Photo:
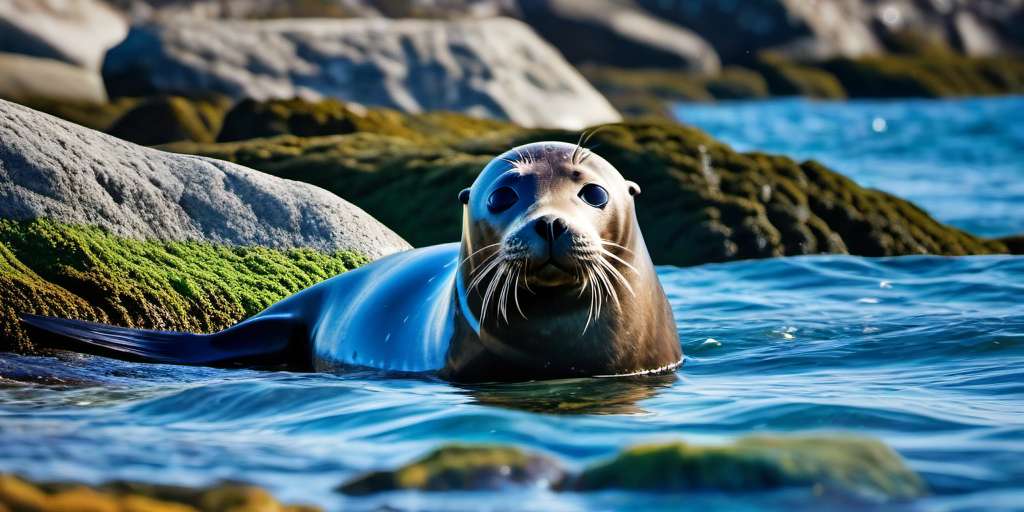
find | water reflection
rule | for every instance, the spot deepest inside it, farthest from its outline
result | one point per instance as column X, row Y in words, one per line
column 619, row 395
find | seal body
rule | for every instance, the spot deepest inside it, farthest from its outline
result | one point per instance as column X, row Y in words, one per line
column 551, row 279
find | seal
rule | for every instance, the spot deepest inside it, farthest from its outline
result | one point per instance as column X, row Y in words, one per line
column 551, row 279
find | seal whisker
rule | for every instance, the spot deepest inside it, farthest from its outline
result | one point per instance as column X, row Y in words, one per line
column 503, row 294
column 491, row 288
column 478, row 251
column 614, row 256
column 482, row 273
column 515, row 291
column 614, row 272
column 602, row 273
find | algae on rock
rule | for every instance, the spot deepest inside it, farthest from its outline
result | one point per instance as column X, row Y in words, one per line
column 86, row 273
column 701, row 202
column 854, row 467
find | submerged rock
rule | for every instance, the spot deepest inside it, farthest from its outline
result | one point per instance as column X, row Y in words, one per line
column 701, row 202
column 859, row 467
column 56, row 170
column 19, row 495
column 463, row 468
column 853, row 467
column 495, row 68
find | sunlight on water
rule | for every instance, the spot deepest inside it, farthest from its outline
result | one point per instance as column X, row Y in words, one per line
column 932, row 363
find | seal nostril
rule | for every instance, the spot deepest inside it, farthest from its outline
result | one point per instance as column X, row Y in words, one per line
column 558, row 228
column 543, row 228
column 550, row 229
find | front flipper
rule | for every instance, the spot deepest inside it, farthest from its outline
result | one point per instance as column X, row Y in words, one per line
column 276, row 340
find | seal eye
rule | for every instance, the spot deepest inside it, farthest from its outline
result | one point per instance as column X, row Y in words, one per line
column 594, row 195
column 502, row 199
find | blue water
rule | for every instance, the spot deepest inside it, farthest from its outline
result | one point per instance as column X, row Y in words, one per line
column 961, row 160
column 924, row 353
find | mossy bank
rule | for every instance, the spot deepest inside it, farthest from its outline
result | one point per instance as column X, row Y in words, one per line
column 701, row 202
column 83, row 272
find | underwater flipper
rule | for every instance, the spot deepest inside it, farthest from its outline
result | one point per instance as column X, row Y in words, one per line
column 262, row 341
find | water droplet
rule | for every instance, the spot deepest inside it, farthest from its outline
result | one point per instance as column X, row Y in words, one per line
column 885, row 284
column 868, row 300
column 879, row 125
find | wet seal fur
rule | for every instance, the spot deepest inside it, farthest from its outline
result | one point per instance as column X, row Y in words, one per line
column 552, row 279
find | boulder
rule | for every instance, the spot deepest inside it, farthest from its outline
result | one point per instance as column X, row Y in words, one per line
column 53, row 169
column 77, row 32
column 495, row 68
column 32, row 78
column 612, row 33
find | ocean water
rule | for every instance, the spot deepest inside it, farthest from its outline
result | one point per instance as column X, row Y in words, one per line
column 961, row 160
column 924, row 353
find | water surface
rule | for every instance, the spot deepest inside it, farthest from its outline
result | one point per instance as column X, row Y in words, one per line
column 925, row 353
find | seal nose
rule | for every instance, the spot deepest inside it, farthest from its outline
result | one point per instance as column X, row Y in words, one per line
column 550, row 228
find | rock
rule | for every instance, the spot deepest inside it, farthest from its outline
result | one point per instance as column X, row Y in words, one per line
column 21, row 495
column 463, row 468
column 855, row 468
column 489, row 68
column 702, row 201
column 29, row 78
column 607, row 32
column 77, row 32
column 53, row 169
column 849, row 466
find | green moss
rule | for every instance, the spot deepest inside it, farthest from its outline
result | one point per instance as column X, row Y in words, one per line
column 252, row 119
column 21, row 495
column 847, row 465
column 462, row 467
column 930, row 75
column 735, row 83
column 787, row 78
column 737, row 206
column 80, row 272
column 98, row 116
column 164, row 119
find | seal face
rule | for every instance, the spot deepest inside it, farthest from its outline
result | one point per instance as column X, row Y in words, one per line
column 551, row 280
column 554, row 277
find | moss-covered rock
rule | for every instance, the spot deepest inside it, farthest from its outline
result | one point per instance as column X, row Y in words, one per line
column 254, row 119
column 845, row 465
column 702, row 201
column 463, row 468
column 86, row 273
column 933, row 75
column 787, row 78
column 164, row 119
column 19, row 495
column 852, row 467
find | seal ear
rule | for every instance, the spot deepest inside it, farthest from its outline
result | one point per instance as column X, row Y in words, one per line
column 634, row 189
column 464, row 196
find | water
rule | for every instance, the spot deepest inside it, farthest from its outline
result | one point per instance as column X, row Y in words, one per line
column 925, row 353
column 961, row 160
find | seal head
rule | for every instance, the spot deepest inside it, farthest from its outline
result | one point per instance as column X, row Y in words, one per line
column 554, row 279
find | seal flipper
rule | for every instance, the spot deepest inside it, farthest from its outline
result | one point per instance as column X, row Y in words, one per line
column 273, row 340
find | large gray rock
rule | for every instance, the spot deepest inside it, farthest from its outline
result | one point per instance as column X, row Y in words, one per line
column 617, row 33
column 489, row 68
column 53, row 169
column 27, row 78
column 77, row 32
